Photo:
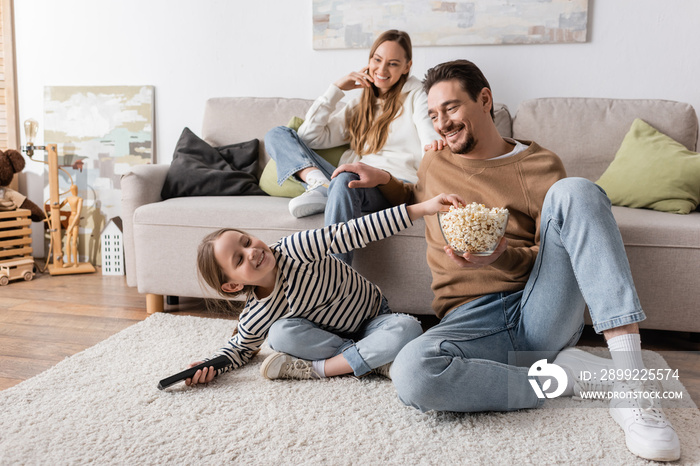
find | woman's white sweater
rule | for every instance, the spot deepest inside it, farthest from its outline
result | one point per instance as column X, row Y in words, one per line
column 410, row 131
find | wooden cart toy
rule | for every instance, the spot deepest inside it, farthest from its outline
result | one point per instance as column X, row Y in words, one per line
column 16, row 261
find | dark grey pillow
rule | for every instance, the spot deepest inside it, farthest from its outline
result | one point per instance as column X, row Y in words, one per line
column 199, row 169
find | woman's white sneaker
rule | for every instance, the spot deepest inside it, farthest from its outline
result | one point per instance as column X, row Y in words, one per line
column 311, row 202
column 648, row 433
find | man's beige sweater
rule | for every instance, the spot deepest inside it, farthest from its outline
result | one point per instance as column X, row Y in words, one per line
column 518, row 183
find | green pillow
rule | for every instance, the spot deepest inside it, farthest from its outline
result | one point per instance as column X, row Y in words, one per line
column 291, row 187
column 652, row 171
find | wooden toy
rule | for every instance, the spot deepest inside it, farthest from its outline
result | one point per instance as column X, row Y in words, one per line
column 76, row 207
column 74, row 201
column 112, row 248
column 16, row 269
column 16, row 261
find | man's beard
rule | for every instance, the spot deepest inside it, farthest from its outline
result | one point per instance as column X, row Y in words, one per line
column 465, row 147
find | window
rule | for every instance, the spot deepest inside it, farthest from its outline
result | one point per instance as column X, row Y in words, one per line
column 9, row 128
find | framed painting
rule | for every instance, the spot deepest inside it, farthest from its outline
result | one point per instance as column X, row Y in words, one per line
column 101, row 131
column 343, row 24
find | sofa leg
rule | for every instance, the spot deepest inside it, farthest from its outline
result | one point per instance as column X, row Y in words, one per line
column 154, row 303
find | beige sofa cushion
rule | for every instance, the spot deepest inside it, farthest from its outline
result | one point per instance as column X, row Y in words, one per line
column 586, row 133
column 229, row 120
column 179, row 224
column 650, row 228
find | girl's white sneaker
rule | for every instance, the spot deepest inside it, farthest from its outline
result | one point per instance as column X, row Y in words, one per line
column 384, row 371
column 284, row 366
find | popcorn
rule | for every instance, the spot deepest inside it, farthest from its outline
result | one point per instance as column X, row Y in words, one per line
column 473, row 228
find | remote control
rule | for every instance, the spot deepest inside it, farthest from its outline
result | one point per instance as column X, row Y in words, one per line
column 218, row 363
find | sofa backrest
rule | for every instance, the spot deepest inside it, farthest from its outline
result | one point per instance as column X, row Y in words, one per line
column 587, row 132
column 503, row 120
column 229, row 120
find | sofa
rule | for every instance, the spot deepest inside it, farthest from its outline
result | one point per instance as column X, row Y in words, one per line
column 161, row 236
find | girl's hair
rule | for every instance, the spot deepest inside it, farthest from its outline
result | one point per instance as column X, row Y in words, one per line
column 210, row 270
column 367, row 134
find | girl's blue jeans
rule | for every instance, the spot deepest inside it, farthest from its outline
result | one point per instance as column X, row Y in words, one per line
column 477, row 358
column 292, row 155
column 376, row 343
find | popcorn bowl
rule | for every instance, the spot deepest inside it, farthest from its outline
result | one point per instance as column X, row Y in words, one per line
column 474, row 228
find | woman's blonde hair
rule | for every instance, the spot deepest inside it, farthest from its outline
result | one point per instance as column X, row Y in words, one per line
column 368, row 133
column 209, row 269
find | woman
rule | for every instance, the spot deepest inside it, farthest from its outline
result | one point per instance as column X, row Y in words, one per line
column 387, row 126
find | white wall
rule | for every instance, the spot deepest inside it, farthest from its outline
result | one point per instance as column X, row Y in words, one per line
column 192, row 50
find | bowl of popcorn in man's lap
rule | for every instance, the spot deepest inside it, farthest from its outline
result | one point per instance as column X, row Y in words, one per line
column 473, row 228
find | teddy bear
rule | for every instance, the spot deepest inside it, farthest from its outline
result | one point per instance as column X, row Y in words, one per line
column 11, row 162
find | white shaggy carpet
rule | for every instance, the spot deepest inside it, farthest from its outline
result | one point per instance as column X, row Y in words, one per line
column 102, row 406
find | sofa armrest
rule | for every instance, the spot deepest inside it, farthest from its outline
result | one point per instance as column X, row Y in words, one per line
column 141, row 185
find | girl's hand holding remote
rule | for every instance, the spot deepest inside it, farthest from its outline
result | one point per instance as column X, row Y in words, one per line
column 205, row 375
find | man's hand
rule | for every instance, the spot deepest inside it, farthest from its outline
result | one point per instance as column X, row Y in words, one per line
column 370, row 177
column 470, row 261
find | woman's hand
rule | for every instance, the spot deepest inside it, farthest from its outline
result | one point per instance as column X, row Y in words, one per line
column 355, row 80
column 436, row 145
column 205, row 375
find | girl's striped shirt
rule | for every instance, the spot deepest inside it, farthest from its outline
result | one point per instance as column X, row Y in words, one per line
column 314, row 285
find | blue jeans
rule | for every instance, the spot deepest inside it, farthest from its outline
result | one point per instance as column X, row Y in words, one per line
column 376, row 343
column 477, row 357
column 292, row 155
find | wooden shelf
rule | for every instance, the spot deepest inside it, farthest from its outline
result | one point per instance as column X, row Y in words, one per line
column 15, row 234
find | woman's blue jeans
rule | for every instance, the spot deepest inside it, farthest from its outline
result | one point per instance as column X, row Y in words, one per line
column 376, row 343
column 477, row 357
column 292, row 155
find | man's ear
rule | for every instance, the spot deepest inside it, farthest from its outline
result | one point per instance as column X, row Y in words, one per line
column 231, row 287
column 486, row 99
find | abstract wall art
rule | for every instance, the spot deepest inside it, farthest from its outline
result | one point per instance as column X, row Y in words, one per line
column 343, row 24
column 101, row 131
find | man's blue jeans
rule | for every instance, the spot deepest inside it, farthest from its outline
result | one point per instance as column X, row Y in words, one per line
column 477, row 357
column 376, row 343
column 292, row 155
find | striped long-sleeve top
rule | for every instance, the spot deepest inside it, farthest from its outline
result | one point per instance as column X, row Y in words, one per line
column 314, row 285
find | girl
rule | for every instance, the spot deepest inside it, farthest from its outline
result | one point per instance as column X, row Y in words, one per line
column 320, row 316
column 387, row 126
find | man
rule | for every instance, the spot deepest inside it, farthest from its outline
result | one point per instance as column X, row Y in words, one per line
column 503, row 312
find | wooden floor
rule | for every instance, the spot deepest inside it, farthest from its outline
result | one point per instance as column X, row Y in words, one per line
column 51, row 318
